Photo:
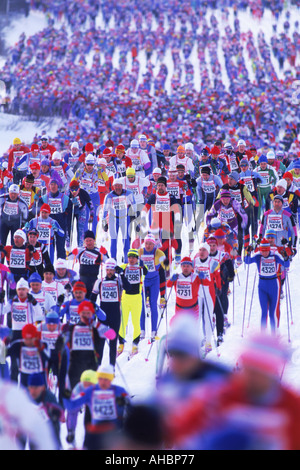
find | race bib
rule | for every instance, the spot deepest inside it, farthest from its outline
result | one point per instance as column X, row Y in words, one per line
column 17, row 258
column 50, row 338
column 226, row 214
column 11, row 208
column 275, row 222
column 119, row 203
column 184, row 290
column 162, row 204
column 82, row 339
column 133, row 274
column 268, row 267
column 88, row 258
column 103, row 405
column 248, row 181
column 109, row 291
column 208, row 186
column 149, row 262
column 19, row 315
column 30, row 361
column 173, row 189
column 55, row 205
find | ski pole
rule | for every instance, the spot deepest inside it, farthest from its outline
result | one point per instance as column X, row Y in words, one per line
column 210, row 320
column 245, row 299
column 287, row 312
column 250, row 310
column 289, row 295
column 161, row 317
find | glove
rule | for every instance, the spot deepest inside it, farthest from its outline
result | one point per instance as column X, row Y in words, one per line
column 174, row 277
column 30, row 248
column 36, row 197
column 138, row 228
column 91, row 218
column 119, row 270
column 31, row 299
column 60, row 299
column 75, row 202
column 202, row 275
column 105, row 226
column 2, row 297
column 67, row 394
column 249, row 249
column 106, row 332
column 284, row 241
column 68, row 287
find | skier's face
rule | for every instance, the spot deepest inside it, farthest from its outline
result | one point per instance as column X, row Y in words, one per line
column 110, row 272
column 132, row 260
column 149, row 246
column 203, row 253
column 32, row 239
column 225, row 200
column 161, row 188
column 205, row 176
column 231, row 181
column 35, row 287
column 61, row 272
column 51, row 327
column 13, row 196
column 18, row 241
column 186, row 269
column 79, row 295
column 118, row 188
column 181, row 174
column 263, row 165
column 22, row 293
column 44, row 215
column 104, row 384
column 172, row 176
column 48, row 276
column 213, row 246
column 277, row 205
column 280, row 190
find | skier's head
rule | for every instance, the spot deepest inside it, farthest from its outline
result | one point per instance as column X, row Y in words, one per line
column 172, row 173
column 277, row 203
column 35, row 282
column 205, row 173
column 133, row 256
column 204, row 250
column 36, row 385
column 74, row 187
column 225, row 197
column 89, row 239
column 88, row 378
column 180, row 171
column 150, row 242
column 105, row 374
column 233, row 178
column 110, row 267
column 79, row 291
column 161, row 185
column 130, row 173
column 118, row 186
column 186, row 266
column 49, row 273
column 30, row 335
column 213, row 244
column 19, row 238
column 13, row 192
column 281, row 187
column 33, row 235
column 45, row 211
column 86, row 311
column 156, row 173
column 61, row 267
column 265, row 247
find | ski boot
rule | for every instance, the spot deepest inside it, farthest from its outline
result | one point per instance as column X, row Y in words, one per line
column 120, row 349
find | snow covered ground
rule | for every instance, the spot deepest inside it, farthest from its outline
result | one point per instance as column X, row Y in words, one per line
column 138, row 375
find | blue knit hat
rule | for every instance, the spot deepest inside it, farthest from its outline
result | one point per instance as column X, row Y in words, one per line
column 36, row 380
column 263, row 159
column 35, row 277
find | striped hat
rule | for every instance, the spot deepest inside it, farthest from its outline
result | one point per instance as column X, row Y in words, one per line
column 270, row 233
column 133, row 252
column 186, row 260
column 264, row 245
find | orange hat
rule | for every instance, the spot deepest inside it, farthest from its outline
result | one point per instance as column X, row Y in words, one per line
column 180, row 149
column 289, row 175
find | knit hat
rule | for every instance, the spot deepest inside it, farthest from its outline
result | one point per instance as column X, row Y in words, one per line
column 29, row 331
column 110, row 263
column 162, row 179
column 36, row 380
column 219, row 233
column 20, row 233
column 56, row 155
column 282, row 183
column 264, row 245
column 225, row 193
column 45, row 208
column 270, row 233
column 61, row 263
column 262, row 159
column 86, row 306
column 156, row 171
column 206, row 170
column 186, row 260
column 130, row 171
column 49, row 269
column 52, row 317
column 74, row 184
column 150, row 238
column 288, row 175
column 106, row 372
column 244, row 161
column 29, row 178
column 89, row 376
column 265, row 353
column 90, row 159
column 204, row 245
column 88, row 147
column 234, row 175
column 184, row 336
column 79, row 285
column 241, row 142
column 89, row 234
column 35, row 166
column 278, row 197
column 14, row 188
column 35, row 277
column 133, row 252
column 22, row 284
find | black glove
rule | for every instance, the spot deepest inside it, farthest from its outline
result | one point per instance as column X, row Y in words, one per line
column 284, row 241
column 119, row 270
column 31, row 299
column 138, row 228
column 60, row 299
column 249, row 249
column 193, row 183
column 68, row 287
column 67, row 393
column 30, row 248
column 2, row 297
column 105, row 227
column 120, row 401
column 59, row 344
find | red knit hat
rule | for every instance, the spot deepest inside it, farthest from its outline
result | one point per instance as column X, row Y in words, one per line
column 86, row 306
column 186, row 260
column 29, row 331
column 289, row 175
column 34, row 147
column 46, row 208
column 89, row 147
column 264, row 245
column 79, row 285
column 219, row 233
